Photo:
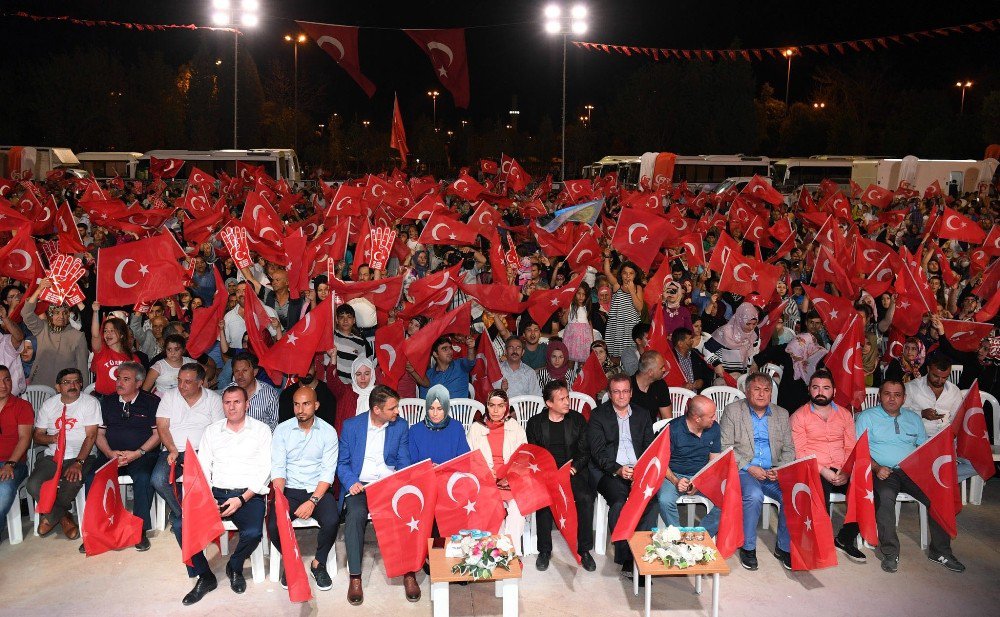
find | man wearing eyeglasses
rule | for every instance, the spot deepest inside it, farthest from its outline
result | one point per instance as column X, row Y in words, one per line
column 893, row 433
column 80, row 415
column 128, row 435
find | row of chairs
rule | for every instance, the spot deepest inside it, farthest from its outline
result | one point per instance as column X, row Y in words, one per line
column 464, row 409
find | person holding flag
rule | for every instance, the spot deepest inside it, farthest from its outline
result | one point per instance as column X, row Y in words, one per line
column 67, row 424
column 894, row 432
column 759, row 433
column 826, row 430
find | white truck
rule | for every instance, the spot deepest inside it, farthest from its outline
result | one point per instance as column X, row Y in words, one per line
column 21, row 162
column 954, row 176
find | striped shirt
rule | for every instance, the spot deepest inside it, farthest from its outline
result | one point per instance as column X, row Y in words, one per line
column 263, row 405
column 349, row 347
column 544, row 378
column 621, row 319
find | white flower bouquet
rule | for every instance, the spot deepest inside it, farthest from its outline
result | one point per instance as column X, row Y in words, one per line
column 482, row 553
column 669, row 548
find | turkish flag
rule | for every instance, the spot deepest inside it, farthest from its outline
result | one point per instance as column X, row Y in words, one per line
column 466, row 187
column 965, row 335
column 836, row 311
column 955, row 226
column 652, row 293
column 488, row 167
column 446, row 50
column 468, row 497
column 19, row 257
column 933, row 190
column 761, row 189
column 844, row 362
column 447, row 231
column 198, row 230
column 68, row 233
column 860, row 491
column 384, row 293
column 591, row 379
column 402, row 509
column 838, row 205
column 257, row 321
column 563, row 506
column 484, row 220
column 195, row 201
column 745, row 275
column 341, row 42
column 528, row 472
column 430, row 204
column 487, row 369
column 553, row 244
column 647, row 477
column 107, row 525
column 293, row 353
column 724, row 248
column 991, row 244
column 397, row 138
column 140, row 271
column 514, row 175
column 200, row 520
column 261, row 220
column 659, row 341
column 294, row 246
column 542, row 304
column 719, row 481
column 496, row 298
column 363, row 247
column 769, row 323
column 418, row 347
column 205, row 319
column 43, row 217
column 389, row 352
column 345, row 202
column 932, row 467
column 295, row 569
column 164, row 168
column 49, row 488
column 425, row 289
column 877, row 196
column 201, row 179
column 639, row 235
column 807, row 519
column 585, row 253
column 973, row 439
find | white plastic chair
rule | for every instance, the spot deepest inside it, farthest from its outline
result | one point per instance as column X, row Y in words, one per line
column 412, row 409
column 526, row 406
column 256, row 558
column 956, row 373
column 37, row 395
column 691, row 501
column 579, row 401
column 90, row 389
column 464, row 410
column 601, row 510
column 976, row 483
column 766, row 511
column 15, row 533
column 722, row 395
column 871, row 397
column 679, row 398
column 902, row 498
column 302, row 523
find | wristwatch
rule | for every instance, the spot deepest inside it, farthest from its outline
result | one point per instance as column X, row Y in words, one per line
column 314, row 499
column 141, row 452
column 11, row 463
column 81, row 461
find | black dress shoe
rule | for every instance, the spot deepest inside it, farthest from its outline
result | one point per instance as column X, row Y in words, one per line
column 204, row 584
column 542, row 561
column 587, row 561
column 143, row 544
column 236, row 580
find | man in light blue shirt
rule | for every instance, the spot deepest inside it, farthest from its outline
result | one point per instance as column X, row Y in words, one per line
column 303, row 464
column 893, row 433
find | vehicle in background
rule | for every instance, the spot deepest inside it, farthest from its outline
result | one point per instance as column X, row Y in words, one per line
column 791, row 173
column 106, row 165
column 279, row 163
column 703, row 171
column 627, row 168
column 738, row 183
column 15, row 161
column 955, row 176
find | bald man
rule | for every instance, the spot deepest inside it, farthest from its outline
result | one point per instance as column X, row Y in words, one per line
column 303, row 464
column 695, row 441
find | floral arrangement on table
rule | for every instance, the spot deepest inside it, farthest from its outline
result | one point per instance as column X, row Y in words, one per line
column 671, row 546
column 481, row 553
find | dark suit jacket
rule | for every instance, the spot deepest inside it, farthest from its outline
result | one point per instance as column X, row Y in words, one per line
column 539, row 430
column 603, row 434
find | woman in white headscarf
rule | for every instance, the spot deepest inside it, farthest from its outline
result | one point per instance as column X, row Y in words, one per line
column 351, row 399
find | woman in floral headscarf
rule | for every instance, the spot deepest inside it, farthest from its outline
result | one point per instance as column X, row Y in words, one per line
column 734, row 344
column 909, row 364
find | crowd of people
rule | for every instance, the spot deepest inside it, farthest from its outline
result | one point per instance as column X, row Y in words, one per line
column 132, row 392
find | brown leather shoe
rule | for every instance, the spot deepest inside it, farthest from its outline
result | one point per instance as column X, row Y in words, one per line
column 69, row 527
column 355, row 593
column 411, row 587
column 45, row 527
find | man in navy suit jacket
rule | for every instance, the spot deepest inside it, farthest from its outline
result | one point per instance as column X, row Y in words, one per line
column 373, row 445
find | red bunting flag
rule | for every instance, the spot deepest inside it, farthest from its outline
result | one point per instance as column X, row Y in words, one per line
column 341, row 42
column 808, row 522
column 446, row 50
column 402, row 510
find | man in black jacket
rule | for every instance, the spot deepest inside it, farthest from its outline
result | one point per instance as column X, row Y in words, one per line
column 563, row 432
column 615, row 451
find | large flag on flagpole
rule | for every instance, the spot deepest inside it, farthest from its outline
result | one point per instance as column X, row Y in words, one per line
column 398, row 138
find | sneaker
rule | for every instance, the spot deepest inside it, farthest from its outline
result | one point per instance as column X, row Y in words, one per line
column 282, row 579
column 784, row 557
column 748, row 559
column 322, row 577
column 850, row 551
column 542, row 561
column 890, row 563
column 628, row 572
column 948, row 561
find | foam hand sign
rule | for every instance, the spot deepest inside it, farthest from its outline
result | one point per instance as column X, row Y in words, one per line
column 235, row 239
column 382, row 239
column 64, row 274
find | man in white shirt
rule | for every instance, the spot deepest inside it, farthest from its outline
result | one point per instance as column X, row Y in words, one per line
column 234, row 326
column 81, row 416
column 937, row 400
column 235, row 455
column 519, row 379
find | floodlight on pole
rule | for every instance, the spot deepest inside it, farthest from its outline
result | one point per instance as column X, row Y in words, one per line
column 561, row 22
column 236, row 14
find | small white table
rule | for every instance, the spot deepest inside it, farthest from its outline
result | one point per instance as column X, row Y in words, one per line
column 442, row 577
column 638, row 543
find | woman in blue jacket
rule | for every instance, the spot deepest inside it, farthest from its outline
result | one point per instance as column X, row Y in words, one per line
column 438, row 437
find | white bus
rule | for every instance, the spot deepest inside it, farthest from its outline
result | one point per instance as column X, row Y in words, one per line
column 791, row 173
column 279, row 163
column 105, row 165
column 700, row 171
column 15, row 161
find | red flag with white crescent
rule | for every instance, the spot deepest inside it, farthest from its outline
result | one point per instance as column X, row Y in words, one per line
column 341, row 43
column 934, row 468
column 468, row 497
column 973, row 441
column 295, row 569
column 860, row 491
column 446, row 50
column 809, row 526
column 107, row 525
column 402, row 510
column 647, row 477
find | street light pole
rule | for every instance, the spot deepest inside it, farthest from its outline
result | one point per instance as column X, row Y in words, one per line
column 236, row 14
column 562, row 173
column 788, row 79
column 301, row 38
column 565, row 23
column 434, row 94
column 236, row 86
column 964, row 87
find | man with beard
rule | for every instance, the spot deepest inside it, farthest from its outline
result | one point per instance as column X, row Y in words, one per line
column 327, row 402
column 823, row 428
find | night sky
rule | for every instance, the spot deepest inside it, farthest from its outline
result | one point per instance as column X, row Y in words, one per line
column 510, row 55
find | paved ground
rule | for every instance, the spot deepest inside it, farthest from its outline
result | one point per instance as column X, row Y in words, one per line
column 47, row 576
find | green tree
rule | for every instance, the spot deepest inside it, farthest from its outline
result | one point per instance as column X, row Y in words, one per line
column 990, row 118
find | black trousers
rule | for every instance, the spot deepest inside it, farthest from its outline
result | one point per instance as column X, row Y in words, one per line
column 615, row 491
column 885, row 514
column 326, row 513
column 849, row 532
column 584, row 498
